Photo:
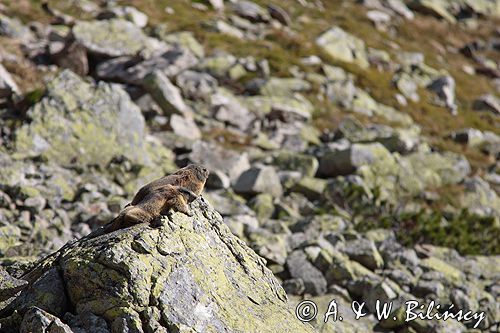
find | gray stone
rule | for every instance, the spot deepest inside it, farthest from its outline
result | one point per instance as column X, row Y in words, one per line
column 224, row 28
column 469, row 136
column 128, row 13
column 133, row 70
column 182, row 39
column 402, row 140
column 9, row 286
column 438, row 8
column 196, row 85
column 229, row 109
column 218, row 64
column 251, row 11
column 279, row 14
column 278, row 86
column 343, row 46
column 300, row 268
column 379, row 18
column 294, row 286
column 287, row 160
column 399, row 7
column 489, row 103
column 38, row 320
column 379, row 291
column 217, row 4
column 46, row 293
column 425, row 288
column 215, row 157
column 170, row 62
column 259, row 179
column 86, row 322
column 228, row 204
column 346, row 161
column 165, row 94
column 480, row 198
column 263, row 205
column 13, row 28
column 7, row 84
column 115, row 38
column 184, row 126
column 364, row 252
column 444, row 87
column 218, row 179
column 407, row 86
column 72, row 56
column 311, row 187
column 289, row 108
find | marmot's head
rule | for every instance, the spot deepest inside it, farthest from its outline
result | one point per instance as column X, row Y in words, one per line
column 199, row 171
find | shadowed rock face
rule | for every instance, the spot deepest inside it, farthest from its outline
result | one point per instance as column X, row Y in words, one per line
column 190, row 273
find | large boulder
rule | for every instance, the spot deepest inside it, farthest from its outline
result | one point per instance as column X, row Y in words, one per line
column 189, row 274
column 83, row 123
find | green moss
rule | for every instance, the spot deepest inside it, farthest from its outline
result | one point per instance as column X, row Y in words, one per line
column 465, row 232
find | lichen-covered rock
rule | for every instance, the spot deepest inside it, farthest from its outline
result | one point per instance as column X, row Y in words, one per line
column 343, row 46
column 83, row 123
column 9, row 285
column 480, row 198
column 38, row 320
column 311, row 187
column 184, row 39
column 227, row 108
column 128, row 13
column 259, row 179
column 287, row 160
column 444, row 87
column 275, row 86
column 190, row 274
column 12, row 27
column 165, row 93
column 346, row 161
column 217, row 158
column 294, row 107
column 394, row 139
column 114, row 38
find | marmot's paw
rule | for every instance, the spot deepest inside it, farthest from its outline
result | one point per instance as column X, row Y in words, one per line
column 156, row 223
column 188, row 213
column 191, row 196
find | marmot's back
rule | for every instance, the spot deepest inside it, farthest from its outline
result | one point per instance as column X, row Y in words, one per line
column 191, row 177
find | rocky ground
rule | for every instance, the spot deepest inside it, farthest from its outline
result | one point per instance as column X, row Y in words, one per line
column 354, row 145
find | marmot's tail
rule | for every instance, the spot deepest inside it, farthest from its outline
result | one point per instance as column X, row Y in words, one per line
column 111, row 226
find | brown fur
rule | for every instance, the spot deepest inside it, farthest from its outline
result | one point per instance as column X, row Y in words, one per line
column 192, row 177
column 159, row 196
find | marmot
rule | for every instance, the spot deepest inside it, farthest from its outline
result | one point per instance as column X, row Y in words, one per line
column 154, row 199
column 192, row 177
column 159, row 196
